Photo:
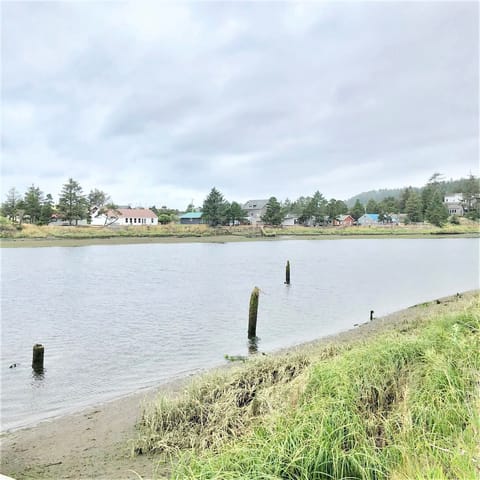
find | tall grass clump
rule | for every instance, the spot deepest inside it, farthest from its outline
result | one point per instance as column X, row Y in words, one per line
column 404, row 405
column 217, row 406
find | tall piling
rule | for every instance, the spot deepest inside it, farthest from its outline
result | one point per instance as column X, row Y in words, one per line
column 287, row 273
column 252, row 313
column 37, row 357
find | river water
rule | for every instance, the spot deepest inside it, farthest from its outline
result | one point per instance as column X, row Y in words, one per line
column 116, row 319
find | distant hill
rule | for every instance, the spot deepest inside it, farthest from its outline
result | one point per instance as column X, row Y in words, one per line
column 448, row 186
column 377, row 195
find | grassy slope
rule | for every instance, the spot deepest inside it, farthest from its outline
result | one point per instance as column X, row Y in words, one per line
column 402, row 405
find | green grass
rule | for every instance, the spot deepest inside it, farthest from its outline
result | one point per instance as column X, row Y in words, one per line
column 403, row 405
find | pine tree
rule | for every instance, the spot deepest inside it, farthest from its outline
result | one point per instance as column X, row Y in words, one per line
column 437, row 212
column 33, row 203
column 414, row 207
column 273, row 214
column 215, row 208
column 72, row 205
column 357, row 210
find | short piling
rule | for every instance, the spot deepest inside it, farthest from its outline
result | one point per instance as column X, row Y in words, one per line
column 37, row 358
column 287, row 273
column 371, row 315
column 252, row 313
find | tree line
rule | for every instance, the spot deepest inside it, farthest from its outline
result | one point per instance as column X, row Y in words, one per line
column 418, row 204
column 37, row 207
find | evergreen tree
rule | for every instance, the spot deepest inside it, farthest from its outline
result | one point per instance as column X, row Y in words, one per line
column 235, row 213
column 13, row 205
column 33, row 203
column 437, row 212
column 97, row 198
column 72, row 205
column 372, row 206
column 273, row 214
column 357, row 210
column 215, row 208
column 315, row 209
column 471, row 191
column 335, row 208
column 414, row 207
column 47, row 210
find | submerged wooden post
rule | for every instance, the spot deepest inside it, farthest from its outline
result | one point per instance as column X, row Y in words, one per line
column 37, row 358
column 252, row 313
column 287, row 273
column 371, row 315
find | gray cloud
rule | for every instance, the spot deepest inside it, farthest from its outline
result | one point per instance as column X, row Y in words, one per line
column 157, row 103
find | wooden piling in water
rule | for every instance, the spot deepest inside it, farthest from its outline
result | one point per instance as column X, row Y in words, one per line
column 37, row 358
column 371, row 315
column 287, row 273
column 252, row 313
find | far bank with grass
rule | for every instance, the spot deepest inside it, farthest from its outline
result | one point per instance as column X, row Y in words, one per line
column 401, row 404
column 33, row 235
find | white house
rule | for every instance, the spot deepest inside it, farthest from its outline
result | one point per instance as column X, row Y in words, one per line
column 125, row 217
column 290, row 220
column 455, row 204
column 454, row 198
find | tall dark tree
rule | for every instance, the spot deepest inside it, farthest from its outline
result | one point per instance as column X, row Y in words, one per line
column 33, row 204
column 215, row 208
column 433, row 186
column 335, row 208
column 235, row 214
column 437, row 212
column 357, row 210
column 372, row 206
column 315, row 209
column 47, row 210
column 414, row 207
column 404, row 196
column 298, row 206
column 72, row 204
column 273, row 213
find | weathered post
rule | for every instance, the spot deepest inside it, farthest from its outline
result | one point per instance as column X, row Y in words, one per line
column 252, row 313
column 287, row 273
column 37, row 358
column 371, row 315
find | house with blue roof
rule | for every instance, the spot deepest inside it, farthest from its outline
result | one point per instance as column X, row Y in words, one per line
column 368, row 219
column 192, row 218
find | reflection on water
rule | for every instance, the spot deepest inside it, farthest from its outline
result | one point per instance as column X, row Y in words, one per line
column 115, row 319
column 253, row 345
column 38, row 377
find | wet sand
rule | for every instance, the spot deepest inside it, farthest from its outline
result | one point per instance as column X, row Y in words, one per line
column 95, row 443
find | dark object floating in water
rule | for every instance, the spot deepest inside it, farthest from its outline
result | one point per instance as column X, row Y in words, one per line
column 13, row 365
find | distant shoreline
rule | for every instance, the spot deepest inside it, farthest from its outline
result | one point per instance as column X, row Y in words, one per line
column 133, row 240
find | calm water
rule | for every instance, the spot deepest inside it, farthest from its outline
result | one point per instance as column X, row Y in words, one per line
column 115, row 319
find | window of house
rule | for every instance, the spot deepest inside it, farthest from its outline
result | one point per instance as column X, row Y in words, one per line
column 126, row 220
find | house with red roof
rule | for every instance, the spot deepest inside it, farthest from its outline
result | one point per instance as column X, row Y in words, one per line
column 125, row 217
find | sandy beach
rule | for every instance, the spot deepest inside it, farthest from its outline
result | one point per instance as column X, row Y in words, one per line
column 95, row 443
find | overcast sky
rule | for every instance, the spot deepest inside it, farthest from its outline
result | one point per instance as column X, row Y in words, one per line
column 156, row 103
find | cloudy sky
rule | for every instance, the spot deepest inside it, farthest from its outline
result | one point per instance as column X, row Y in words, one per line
column 156, row 103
